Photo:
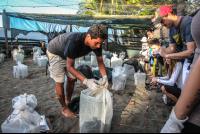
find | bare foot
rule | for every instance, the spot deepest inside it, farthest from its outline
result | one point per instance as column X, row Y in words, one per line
column 67, row 113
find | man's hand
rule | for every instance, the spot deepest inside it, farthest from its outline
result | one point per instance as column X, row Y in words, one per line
column 163, row 54
column 91, row 83
column 154, row 81
column 105, row 81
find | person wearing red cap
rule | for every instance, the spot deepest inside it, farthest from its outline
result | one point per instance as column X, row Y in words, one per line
column 184, row 117
column 185, row 45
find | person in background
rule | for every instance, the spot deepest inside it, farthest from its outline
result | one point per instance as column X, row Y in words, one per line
column 150, row 36
column 144, row 52
column 172, row 82
column 155, row 45
column 162, row 34
column 150, row 32
column 185, row 45
column 63, row 50
column 185, row 115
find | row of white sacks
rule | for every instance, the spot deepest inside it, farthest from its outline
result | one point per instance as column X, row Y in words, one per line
column 91, row 61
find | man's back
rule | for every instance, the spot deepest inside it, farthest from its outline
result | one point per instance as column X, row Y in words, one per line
column 174, row 34
column 71, row 45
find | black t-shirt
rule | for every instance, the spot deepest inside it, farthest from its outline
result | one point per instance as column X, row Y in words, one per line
column 71, row 45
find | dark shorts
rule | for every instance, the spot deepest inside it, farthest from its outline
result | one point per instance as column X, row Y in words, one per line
column 173, row 90
column 190, row 128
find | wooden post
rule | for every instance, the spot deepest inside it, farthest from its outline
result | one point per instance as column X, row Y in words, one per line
column 70, row 27
column 16, row 38
column 6, row 41
column 106, row 43
column 11, row 44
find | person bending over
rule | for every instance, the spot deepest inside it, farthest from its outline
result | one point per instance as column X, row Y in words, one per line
column 182, row 42
column 185, row 115
column 172, row 82
column 63, row 50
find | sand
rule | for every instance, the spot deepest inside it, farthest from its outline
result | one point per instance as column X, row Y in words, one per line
column 127, row 117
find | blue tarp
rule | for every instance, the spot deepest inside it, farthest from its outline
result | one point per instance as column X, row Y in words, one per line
column 29, row 25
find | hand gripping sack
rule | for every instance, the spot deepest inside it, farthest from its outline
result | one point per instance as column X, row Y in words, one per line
column 118, row 78
column 22, row 120
column 96, row 111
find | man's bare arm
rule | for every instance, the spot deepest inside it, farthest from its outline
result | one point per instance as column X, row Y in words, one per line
column 190, row 95
column 184, row 54
column 168, row 50
column 72, row 70
column 171, row 48
column 101, row 65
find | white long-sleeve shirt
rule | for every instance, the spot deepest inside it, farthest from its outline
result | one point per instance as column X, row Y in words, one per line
column 176, row 77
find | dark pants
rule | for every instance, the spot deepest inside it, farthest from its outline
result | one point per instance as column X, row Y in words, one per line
column 190, row 128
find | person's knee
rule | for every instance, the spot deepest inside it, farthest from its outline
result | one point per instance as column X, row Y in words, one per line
column 59, row 83
column 70, row 80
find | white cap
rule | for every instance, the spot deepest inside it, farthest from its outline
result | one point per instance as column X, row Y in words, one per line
column 144, row 39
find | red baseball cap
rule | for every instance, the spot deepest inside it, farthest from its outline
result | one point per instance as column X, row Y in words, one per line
column 161, row 12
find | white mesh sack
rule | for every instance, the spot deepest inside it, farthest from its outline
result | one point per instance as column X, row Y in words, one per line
column 42, row 61
column 20, row 50
column 96, row 111
column 19, row 57
column 106, row 62
column 22, row 120
column 93, row 60
column 35, row 49
column 140, row 78
column 30, row 100
column 14, row 52
column 20, row 71
column 2, row 56
column 37, row 54
column 122, row 55
column 115, row 62
column 129, row 71
column 118, row 78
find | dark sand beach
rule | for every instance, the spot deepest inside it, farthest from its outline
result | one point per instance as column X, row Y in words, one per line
column 148, row 115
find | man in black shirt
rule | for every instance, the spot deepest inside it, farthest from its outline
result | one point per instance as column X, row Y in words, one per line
column 62, row 52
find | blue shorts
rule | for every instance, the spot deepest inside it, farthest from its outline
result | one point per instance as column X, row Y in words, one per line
column 152, row 60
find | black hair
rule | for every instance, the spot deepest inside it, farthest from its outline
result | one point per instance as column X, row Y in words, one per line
column 98, row 31
column 173, row 13
column 154, row 41
column 153, row 17
column 150, row 30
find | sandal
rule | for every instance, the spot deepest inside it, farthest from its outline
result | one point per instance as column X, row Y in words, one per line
column 150, row 87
